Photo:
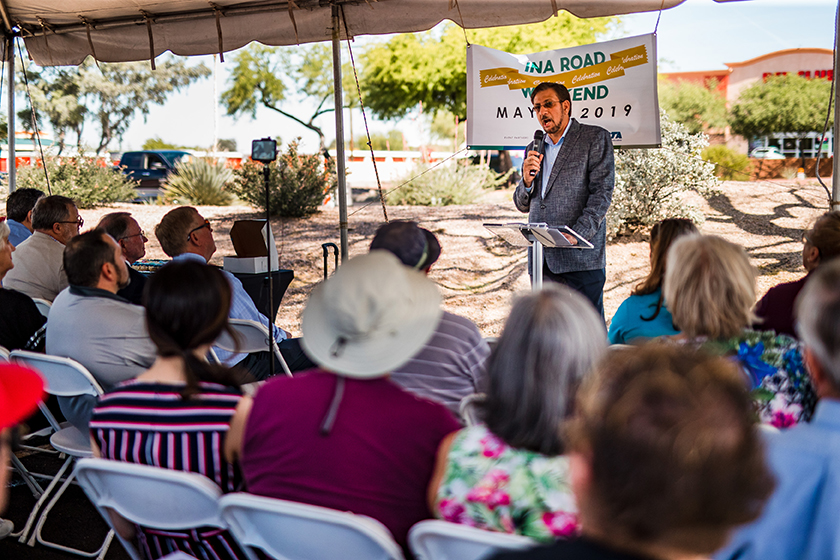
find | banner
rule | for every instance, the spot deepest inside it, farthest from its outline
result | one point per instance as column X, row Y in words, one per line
column 612, row 85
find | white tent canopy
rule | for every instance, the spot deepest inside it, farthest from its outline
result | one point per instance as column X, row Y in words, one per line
column 62, row 32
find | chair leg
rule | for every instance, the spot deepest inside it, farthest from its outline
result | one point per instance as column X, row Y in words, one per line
column 36, row 535
column 282, row 360
column 34, row 514
column 27, row 477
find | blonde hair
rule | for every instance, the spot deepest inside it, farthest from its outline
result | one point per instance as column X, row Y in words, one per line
column 173, row 230
column 709, row 286
column 4, row 234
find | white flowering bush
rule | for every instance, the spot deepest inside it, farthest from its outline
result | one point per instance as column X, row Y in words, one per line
column 652, row 184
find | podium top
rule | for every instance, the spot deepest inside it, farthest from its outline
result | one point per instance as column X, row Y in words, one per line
column 523, row 235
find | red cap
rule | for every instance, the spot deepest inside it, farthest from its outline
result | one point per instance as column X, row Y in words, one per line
column 21, row 389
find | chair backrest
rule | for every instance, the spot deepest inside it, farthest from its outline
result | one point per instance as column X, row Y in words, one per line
column 43, row 306
column 468, row 408
column 151, row 496
column 64, row 377
column 4, row 355
column 292, row 531
column 442, row 540
column 252, row 336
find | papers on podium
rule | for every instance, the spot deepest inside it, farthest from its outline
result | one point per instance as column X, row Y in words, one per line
column 523, row 235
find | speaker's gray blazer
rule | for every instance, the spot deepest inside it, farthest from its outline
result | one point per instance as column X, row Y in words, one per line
column 578, row 195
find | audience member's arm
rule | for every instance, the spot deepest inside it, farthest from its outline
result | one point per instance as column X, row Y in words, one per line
column 236, row 433
column 242, row 307
column 440, row 470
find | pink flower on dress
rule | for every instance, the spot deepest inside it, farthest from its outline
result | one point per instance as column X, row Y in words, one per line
column 782, row 419
column 452, row 511
column 560, row 523
column 491, row 446
column 488, row 490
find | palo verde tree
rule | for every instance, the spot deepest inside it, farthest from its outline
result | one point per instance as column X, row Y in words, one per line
column 697, row 107
column 110, row 95
column 786, row 104
column 268, row 76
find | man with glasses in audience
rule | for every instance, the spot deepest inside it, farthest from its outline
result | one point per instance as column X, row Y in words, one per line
column 184, row 234
column 132, row 239
column 39, row 268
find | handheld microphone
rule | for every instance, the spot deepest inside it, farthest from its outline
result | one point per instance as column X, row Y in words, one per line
column 539, row 138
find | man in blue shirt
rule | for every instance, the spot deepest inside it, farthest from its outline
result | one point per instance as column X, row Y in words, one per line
column 802, row 519
column 19, row 207
column 183, row 234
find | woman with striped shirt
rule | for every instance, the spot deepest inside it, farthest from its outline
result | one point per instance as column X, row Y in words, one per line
column 175, row 415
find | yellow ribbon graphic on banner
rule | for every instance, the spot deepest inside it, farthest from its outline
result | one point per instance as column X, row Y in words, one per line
column 612, row 68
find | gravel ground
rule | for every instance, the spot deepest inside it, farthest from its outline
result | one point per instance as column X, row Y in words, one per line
column 478, row 274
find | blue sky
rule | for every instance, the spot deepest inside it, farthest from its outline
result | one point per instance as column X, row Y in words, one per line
column 697, row 35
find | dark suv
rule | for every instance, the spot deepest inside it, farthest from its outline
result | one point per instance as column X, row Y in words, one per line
column 150, row 168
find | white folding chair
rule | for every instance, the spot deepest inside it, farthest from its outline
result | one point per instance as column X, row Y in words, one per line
column 4, row 355
column 441, row 540
column 468, row 408
column 152, row 497
column 64, row 378
column 291, row 531
column 252, row 337
column 43, row 306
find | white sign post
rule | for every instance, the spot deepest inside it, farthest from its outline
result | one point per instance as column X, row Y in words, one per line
column 612, row 84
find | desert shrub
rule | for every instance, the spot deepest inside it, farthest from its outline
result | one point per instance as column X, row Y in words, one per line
column 84, row 179
column 652, row 184
column 200, row 182
column 444, row 185
column 729, row 164
column 297, row 183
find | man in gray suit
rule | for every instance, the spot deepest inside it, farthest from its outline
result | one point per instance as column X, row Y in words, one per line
column 570, row 184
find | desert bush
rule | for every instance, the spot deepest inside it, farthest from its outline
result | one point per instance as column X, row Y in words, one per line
column 445, row 185
column 200, row 182
column 84, row 179
column 652, row 184
column 729, row 164
column 298, row 183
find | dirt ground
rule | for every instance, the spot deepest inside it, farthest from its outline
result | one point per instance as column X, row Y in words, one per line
column 478, row 274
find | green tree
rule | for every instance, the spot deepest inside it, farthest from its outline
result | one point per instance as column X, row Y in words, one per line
column 696, row 107
column 111, row 95
column 267, row 76
column 430, row 67
column 789, row 103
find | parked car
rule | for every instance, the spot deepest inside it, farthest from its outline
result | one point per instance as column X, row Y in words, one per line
column 770, row 152
column 150, row 168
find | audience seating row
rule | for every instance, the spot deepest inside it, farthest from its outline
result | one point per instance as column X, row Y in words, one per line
column 172, row 500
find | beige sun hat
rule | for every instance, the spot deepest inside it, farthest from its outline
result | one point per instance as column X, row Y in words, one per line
column 370, row 317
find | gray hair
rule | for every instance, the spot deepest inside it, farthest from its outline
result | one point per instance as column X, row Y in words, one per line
column 4, row 234
column 51, row 210
column 818, row 317
column 115, row 224
column 551, row 341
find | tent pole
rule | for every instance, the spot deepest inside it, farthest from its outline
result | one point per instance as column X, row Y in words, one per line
column 339, row 134
column 835, row 168
column 10, row 160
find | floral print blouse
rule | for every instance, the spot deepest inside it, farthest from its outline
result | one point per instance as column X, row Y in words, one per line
column 781, row 387
column 490, row 485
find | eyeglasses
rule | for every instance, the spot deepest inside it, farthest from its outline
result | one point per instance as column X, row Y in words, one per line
column 547, row 105
column 80, row 221
column 206, row 224
column 141, row 234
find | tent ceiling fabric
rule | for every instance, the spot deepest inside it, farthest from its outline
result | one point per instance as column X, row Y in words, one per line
column 56, row 31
